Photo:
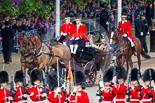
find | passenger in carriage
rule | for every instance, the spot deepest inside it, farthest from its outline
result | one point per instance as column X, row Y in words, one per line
column 79, row 37
column 102, row 45
column 66, row 30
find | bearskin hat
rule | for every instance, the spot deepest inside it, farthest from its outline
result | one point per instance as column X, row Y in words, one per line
column 108, row 75
column 134, row 72
column 146, row 75
column 52, row 80
column 35, row 75
column 80, row 79
column 18, row 76
column 4, row 77
column 121, row 72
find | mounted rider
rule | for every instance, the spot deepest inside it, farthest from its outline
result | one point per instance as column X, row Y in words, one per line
column 125, row 29
column 79, row 37
column 66, row 30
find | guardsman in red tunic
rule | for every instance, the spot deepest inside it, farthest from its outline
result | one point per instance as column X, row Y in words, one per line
column 67, row 29
column 125, row 29
column 146, row 90
column 4, row 92
column 79, row 94
column 135, row 91
column 107, row 90
column 20, row 96
column 36, row 94
column 55, row 95
column 120, row 89
column 79, row 37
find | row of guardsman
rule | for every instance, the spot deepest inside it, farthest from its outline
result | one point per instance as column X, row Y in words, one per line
column 54, row 89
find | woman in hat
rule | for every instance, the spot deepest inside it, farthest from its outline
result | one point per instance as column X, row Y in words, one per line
column 79, row 94
column 36, row 94
column 55, row 95
column 20, row 96
column 4, row 92
column 146, row 89
column 120, row 89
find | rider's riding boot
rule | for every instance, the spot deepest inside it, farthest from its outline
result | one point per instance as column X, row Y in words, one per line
column 75, row 48
column 134, row 50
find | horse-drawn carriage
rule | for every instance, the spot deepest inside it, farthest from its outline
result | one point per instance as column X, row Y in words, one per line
column 88, row 59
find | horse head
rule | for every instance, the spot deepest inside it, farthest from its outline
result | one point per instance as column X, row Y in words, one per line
column 34, row 43
column 114, row 35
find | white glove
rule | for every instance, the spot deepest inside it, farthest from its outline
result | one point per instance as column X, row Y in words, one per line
column 141, row 33
column 148, row 33
column 74, row 90
column 77, row 38
column 101, row 84
column 61, row 33
column 72, row 38
column 64, row 86
column 124, row 35
column 64, row 34
column 58, row 90
column 107, row 23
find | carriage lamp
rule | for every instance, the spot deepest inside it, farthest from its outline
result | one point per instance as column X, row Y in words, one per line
column 152, row 30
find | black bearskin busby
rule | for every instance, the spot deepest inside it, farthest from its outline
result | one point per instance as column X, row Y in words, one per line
column 4, row 77
column 121, row 72
column 80, row 79
column 134, row 72
column 146, row 75
column 108, row 75
column 53, row 80
column 36, row 74
column 18, row 76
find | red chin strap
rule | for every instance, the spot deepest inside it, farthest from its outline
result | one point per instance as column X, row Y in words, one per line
column 20, row 38
column 34, row 39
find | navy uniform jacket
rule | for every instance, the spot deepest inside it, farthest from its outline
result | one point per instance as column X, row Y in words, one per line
column 146, row 26
column 7, row 36
column 139, row 27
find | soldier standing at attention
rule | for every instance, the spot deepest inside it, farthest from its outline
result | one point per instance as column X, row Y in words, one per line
column 7, row 37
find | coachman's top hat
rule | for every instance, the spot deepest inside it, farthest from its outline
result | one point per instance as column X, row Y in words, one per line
column 4, row 77
column 77, row 18
column 123, row 15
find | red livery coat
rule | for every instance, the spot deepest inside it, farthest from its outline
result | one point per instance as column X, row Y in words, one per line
column 81, row 31
column 68, row 28
column 59, row 98
column 107, row 94
column 120, row 91
column 35, row 93
column 125, row 28
column 80, row 97
column 135, row 95
column 146, row 94
column 4, row 93
column 18, row 95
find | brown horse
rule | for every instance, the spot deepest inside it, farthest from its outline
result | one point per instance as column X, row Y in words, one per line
column 26, row 59
column 124, row 42
column 44, row 54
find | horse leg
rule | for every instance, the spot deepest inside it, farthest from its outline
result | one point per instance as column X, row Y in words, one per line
column 130, row 62
column 139, row 61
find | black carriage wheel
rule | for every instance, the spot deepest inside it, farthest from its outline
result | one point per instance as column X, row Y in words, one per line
column 90, row 71
column 122, row 60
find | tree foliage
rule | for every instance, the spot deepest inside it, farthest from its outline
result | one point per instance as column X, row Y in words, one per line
column 25, row 7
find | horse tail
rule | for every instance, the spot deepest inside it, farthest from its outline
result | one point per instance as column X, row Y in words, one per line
column 145, row 55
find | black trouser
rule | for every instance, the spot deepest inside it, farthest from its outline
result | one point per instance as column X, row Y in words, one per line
column 6, row 52
column 143, row 42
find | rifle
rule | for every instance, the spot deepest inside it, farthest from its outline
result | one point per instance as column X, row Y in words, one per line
column 25, row 90
column 12, row 91
column 63, row 85
column 138, row 77
column 128, row 90
column 45, row 81
column 100, row 86
column 152, row 99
